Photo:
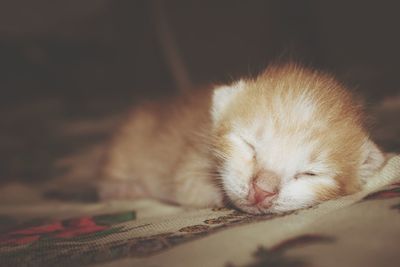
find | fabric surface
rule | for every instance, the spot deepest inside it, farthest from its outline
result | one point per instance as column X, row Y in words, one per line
column 358, row 230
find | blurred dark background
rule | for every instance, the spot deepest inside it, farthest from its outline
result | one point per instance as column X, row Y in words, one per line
column 66, row 65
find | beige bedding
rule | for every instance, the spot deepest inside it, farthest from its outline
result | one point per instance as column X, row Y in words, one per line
column 358, row 230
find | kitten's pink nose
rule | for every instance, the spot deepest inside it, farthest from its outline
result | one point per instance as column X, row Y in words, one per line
column 258, row 195
column 263, row 188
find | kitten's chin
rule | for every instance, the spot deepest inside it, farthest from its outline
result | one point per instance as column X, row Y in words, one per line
column 253, row 209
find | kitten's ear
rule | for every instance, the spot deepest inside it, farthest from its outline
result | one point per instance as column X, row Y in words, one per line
column 222, row 96
column 372, row 161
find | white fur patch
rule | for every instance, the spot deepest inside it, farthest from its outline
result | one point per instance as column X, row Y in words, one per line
column 285, row 155
column 300, row 193
column 304, row 109
column 239, row 168
column 222, row 96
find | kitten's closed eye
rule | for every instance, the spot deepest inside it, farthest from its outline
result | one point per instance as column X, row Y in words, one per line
column 305, row 174
column 248, row 143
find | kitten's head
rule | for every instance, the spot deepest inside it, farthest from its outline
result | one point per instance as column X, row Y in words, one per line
column 289, row 139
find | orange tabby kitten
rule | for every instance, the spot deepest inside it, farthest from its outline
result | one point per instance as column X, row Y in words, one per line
column 288, row 139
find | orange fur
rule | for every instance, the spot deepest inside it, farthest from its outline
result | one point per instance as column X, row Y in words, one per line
column 177, row 152
column 336, row 109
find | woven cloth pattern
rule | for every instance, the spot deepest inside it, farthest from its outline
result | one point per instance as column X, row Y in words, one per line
column 357, row 230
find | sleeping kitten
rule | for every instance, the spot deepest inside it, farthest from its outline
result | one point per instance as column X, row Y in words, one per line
column 288, row 139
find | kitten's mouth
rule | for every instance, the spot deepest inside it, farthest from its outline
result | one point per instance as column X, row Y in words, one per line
column 252, row 205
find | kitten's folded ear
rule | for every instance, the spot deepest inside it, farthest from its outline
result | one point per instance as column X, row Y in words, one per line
column 222, row 96
column 373, row 160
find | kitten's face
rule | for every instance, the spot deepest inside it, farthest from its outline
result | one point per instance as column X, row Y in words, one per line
column 288, row 145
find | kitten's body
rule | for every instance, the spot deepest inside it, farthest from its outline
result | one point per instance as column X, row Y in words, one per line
column 288, row 139
column 163, row 151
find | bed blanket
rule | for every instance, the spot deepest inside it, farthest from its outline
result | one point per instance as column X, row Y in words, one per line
column 358, row 230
